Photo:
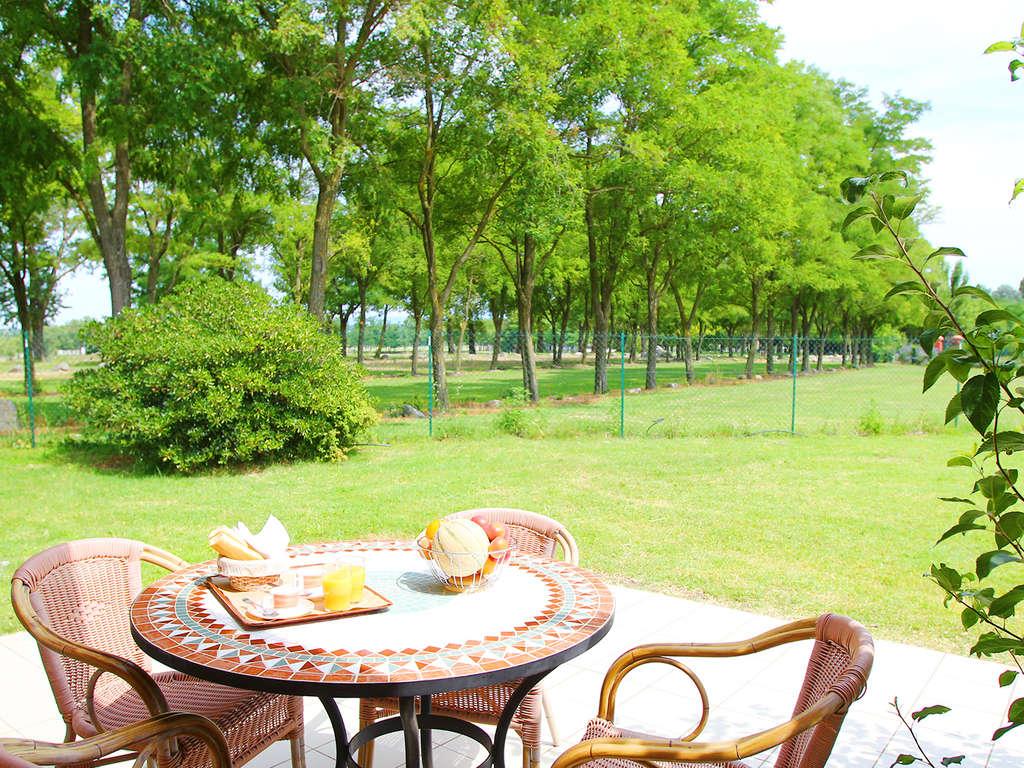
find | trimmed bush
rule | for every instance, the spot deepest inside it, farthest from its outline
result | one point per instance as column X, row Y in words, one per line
column 216, row 374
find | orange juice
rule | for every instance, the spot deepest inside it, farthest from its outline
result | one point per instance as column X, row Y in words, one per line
column 357, row 578
column 338, row 589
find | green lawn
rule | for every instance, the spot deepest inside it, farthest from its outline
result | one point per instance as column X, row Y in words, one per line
column 781, row 525
column 702, row 498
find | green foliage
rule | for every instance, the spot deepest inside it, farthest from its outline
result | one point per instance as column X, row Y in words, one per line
column 519, row 422
column 216, row 374
column 871, row 422
column 986, row 357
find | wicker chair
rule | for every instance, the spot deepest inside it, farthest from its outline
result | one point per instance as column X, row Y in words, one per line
column 837, row 674
column 529, row 532
column 74, row 600
column 144, row 738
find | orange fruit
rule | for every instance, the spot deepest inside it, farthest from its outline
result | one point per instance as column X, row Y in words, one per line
column 432, row 527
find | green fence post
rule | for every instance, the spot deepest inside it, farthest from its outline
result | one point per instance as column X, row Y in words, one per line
column 28, row 386
column 622, row 384
column 430, row 382
column 792, row 417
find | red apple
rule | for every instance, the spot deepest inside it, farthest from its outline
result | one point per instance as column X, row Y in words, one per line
column 481, row 520
column 495, row 530
column 499, row 545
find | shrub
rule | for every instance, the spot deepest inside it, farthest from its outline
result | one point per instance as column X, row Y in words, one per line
column 217, row 373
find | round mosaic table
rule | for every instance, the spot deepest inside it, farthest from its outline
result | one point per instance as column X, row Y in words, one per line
column 538, row 615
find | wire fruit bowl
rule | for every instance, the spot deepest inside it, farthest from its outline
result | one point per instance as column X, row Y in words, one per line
column 455, row 570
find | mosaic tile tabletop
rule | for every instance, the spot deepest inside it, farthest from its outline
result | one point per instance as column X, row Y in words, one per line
column 539, row 610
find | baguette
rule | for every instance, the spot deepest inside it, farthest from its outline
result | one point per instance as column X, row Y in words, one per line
column 231, row 546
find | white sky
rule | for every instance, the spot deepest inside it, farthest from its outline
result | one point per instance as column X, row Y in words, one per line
column 930, row 50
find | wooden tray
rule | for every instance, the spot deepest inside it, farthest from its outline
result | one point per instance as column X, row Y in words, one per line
column 231, row 599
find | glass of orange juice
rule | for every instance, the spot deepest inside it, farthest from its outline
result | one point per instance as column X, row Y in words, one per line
column 357, row 576
column 338, row 586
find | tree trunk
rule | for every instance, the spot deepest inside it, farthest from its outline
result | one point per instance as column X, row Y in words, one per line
column 418, row 325
column 360, row 348
column 462, row 326
column 755, row 324
column 769, row 360
column 496, row 304
column 343, row 332
column 793, row 313
column 383, row 329
column 525, row 284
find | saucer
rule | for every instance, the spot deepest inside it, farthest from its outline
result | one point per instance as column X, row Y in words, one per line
column 303, row 607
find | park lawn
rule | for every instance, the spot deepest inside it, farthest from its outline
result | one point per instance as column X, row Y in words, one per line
column 783, row 525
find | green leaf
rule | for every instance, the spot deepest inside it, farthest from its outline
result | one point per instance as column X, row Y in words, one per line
column 953, row 408
column 992, row 486
column 927, row 339
column 904, row 206
column 960, row 528
column 956, row 500
column 960, row 461
column 1008, row 442
column 1007, row 677
column 959, row 365
column 1015, row 715
column 935, row 368
column 894, row 175
column 935, row 709
column 1015, row 67
column 991, row 643
column 906, row 760
column 1005, row 605
column 944, row 251
column 1002, row 45
column 973, row 290
column 946, row 577
column 876, row 251
column 856, row 215
column 1000, row 732
column 990, row 316
column 1011, row 524
column 953, row 760
column 910, row 286
column 853, row 188
column 969, row 617
column 989, row 561
column 979, row 399
column 1018, row 188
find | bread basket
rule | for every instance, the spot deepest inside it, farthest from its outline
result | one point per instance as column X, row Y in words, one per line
column 245, row 575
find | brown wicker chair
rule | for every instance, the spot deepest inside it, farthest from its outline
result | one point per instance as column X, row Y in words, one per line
column 837, row 674
column 529, row 532
column 144, row 738
column 74, row 600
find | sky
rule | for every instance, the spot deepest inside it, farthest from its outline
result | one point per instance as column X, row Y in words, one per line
column 928, row 50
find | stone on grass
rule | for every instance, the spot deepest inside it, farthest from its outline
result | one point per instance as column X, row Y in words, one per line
column 634, row 391
column 62, row 367
column 8, row 416
column 409, row 410
column 492, row 404
column 673, row 385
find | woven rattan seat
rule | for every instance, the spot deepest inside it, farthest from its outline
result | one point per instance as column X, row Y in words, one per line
column 836, row 675
column 74, row 599
column 529, row 532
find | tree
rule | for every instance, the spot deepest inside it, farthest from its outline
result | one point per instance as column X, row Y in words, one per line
column 314, row 62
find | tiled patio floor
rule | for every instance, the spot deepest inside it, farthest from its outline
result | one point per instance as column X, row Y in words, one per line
column 747, row 694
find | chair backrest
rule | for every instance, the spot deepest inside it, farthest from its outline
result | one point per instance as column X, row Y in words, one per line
column 82, row 590
column 531, row 532
column 840, row 663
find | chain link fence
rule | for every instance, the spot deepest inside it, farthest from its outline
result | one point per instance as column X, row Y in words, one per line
column 665, row 386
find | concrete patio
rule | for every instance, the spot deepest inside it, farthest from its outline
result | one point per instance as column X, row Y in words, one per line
column 747, row 694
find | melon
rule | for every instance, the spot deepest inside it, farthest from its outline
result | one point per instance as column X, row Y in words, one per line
column 460, row 547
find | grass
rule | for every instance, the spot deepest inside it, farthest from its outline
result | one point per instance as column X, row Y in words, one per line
column 762, row 522
column 841, row 518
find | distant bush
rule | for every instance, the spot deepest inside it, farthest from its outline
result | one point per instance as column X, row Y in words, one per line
column 215, row 374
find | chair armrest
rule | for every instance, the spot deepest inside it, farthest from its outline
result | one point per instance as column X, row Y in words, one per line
column 626, row 664
column 129, row 671
column 161, row 557
column 145, row 735
column 647, row 750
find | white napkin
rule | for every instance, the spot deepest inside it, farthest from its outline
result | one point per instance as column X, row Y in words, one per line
column 271, row 541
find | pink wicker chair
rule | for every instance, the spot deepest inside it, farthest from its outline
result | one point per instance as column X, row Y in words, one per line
column 74, row 600
column 144, row 737
column 529, row 532
column 836, row 676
